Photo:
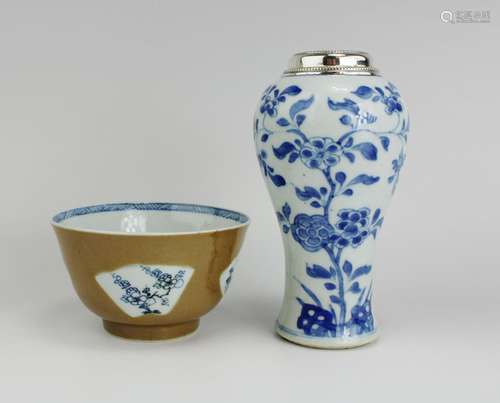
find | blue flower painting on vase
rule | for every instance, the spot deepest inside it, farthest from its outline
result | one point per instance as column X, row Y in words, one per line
column 337, row 156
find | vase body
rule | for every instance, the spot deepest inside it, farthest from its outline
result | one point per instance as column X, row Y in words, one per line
column 330, row 147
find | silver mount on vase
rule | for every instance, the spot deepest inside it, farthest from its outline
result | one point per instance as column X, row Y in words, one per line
column 347, row 62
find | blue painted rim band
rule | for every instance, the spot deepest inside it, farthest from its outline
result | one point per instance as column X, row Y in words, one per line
column 189, row 208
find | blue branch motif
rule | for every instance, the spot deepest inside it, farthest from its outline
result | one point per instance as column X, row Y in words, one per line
column 149, row 297
column 349, row 228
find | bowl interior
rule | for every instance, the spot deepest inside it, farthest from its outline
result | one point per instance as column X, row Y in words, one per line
column 149, row 218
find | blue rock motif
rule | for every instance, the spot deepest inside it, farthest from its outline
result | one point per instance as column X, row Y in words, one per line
column 316, row 321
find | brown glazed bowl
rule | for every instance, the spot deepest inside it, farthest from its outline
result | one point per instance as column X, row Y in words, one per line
column 150, row 270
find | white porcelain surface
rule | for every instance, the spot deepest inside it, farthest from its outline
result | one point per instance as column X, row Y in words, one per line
column 330, row 148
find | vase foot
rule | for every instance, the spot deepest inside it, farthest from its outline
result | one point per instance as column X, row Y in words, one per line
column 334, row 343
column 159, row 332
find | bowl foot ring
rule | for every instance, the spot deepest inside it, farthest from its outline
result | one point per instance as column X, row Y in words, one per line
column 151, row 332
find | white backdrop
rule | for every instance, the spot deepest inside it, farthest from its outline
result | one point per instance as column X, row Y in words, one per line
column 106, row 101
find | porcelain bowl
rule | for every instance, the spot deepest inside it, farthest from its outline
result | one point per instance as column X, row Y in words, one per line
column 150, row 270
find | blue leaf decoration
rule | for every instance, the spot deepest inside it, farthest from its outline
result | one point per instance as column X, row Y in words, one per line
column 385, row 142
column 361, row 271
column 307, row 193
column 286, row 228
column 346, row 120
column 264, row 137
column 323, row 190
column 300, row 119
column 280, row 216
column 364, row 179
column 363, row 92
column 350, row 156
column 283, row 122
column 347, row 105
column 376, row 215
column 348, row 192
column 340, row 177
column 311, row 294
column 299, row 106
column 293, row 156
column 286, row 210
column 317, row 271
column 360, row 297
column 335, row 299
column 283, row 150
column 330, row 286
column 368, row 150
column 292, row 90
column 315, row 204
column 355, row 288
column 347, row 267
column 278, row 180
column 349, row 142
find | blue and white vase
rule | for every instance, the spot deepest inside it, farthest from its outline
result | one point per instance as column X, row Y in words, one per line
column 331, row 137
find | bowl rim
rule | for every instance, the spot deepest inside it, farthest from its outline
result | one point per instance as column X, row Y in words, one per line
column 240, row 220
